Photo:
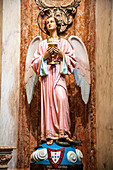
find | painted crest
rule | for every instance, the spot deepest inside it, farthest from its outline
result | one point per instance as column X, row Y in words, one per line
column 55, row 156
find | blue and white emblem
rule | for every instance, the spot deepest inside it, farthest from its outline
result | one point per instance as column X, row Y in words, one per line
column 55, row 156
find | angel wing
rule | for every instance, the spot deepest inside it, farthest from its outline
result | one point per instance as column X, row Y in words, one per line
column 82, row 69
column 30, row 76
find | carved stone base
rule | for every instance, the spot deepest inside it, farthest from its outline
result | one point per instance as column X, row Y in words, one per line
column 60, row 167
column 5, row 156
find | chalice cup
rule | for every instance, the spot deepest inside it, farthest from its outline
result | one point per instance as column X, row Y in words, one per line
column 52, row 62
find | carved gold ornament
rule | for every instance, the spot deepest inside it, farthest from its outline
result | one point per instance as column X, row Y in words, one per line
column 65, row 12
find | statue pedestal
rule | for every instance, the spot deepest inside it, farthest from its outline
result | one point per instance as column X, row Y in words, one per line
column 55, row 156
column 34, row 166
column 5, row 156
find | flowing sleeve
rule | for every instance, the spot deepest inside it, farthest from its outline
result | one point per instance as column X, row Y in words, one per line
column 69, row 62
column 38, row 64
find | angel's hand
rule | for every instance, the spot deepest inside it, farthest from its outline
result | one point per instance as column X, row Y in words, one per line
column 47, row 54
column 58, row 53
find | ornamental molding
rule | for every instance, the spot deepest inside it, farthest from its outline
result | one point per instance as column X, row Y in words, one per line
column 64, row 12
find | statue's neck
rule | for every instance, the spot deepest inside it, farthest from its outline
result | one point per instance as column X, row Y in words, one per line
column 53, row 35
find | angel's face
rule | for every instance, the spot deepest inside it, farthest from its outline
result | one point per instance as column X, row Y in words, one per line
column 51, row 24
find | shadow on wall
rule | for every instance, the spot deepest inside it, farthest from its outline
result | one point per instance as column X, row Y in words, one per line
column 33, row 113
column 77, row 107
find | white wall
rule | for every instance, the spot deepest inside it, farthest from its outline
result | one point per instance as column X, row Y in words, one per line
column 1, row 16
column 10, row 76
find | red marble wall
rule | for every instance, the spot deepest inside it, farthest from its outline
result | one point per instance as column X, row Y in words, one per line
column 83, row 117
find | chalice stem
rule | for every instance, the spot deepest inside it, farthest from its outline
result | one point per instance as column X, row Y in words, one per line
column 52, row 57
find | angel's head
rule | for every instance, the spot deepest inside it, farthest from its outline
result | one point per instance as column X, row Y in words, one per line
column 52, row 24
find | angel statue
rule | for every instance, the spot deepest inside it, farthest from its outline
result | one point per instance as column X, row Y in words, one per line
column 54, row 58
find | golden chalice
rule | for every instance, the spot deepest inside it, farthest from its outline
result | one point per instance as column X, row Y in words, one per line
column 53, row 55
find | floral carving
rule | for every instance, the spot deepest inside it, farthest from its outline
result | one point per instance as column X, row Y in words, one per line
column 64, row 13
column 4, row 159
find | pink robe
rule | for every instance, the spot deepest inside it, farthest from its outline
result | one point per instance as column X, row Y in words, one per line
column 55, row 118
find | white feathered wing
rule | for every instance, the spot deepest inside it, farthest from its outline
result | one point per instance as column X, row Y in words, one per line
column 82, row 69
column 30, row 76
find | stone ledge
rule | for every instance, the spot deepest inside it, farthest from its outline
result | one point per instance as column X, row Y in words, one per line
column 5, row 156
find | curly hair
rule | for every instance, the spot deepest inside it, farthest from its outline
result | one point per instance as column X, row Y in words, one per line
column 57, row 23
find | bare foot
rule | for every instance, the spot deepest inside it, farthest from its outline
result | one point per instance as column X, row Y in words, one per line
column 69, row 139
column 50, row 142
column 73, row 141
